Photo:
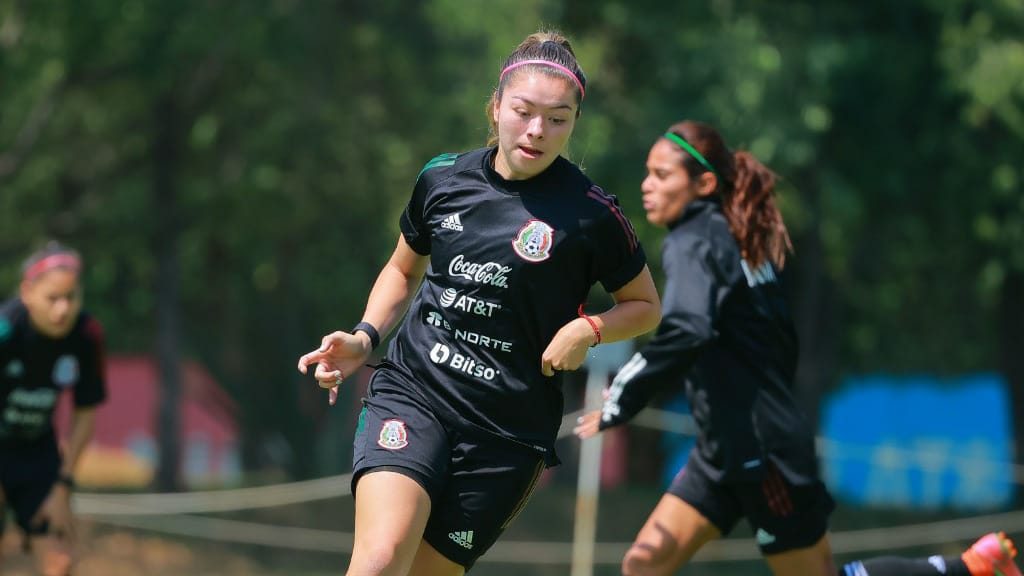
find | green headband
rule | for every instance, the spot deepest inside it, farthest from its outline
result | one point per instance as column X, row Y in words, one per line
column 693, row 151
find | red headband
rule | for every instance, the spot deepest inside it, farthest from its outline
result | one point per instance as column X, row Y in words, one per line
column 60, row 260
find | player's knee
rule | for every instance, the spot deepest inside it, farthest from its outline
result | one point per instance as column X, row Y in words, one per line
column 638, row 561
column 376, row 558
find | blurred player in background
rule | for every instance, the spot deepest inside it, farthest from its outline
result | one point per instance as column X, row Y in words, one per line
column 463, row 413
column 727, row 335
column 48, row 345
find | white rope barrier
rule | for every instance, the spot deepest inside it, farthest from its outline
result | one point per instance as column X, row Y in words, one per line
column 174, row 514
column 849, row 542
column 97, row 504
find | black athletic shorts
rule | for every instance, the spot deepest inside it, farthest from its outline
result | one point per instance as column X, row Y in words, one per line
column 478, row 483
column 783, row 516
column 26, row 479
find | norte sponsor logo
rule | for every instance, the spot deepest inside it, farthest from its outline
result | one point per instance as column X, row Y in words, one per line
column 443, row 355
column 488, row 273
column 451, row 298
column 481, row 340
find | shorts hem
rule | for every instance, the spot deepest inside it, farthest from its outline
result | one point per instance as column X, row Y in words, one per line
column 419, row 474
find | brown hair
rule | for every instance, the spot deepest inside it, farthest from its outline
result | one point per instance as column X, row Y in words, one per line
column 746, row 188
column 545, row 45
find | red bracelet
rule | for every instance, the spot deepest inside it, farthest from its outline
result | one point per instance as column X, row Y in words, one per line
column 597, row 331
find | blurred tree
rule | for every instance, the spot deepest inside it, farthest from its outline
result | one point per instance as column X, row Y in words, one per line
column 233, row 171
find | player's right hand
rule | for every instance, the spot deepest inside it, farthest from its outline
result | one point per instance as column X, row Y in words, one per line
column 339, row 356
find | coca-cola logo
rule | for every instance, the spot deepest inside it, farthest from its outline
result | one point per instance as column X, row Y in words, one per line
column 488, row 273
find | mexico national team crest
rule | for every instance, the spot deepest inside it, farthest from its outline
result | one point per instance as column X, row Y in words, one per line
column 393, row 435
column 534, row 240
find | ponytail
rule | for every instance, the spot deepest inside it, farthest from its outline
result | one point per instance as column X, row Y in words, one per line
column 747, row 190
column 755, row 220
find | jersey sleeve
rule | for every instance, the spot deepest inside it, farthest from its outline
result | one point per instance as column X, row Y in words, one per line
column 617, row 256
column 693, row 292
column 412, row 223
column 92, row 385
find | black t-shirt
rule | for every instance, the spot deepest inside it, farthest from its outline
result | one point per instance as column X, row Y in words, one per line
column 727, row 333
column 510, row 263
column 35, row 369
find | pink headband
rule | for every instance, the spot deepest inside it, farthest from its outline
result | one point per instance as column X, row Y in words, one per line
column 544, row 63
column 61, row 260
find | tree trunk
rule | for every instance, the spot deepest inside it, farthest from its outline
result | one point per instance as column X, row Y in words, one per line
column 1010, row 319
column 813, row 304
column 166, row 159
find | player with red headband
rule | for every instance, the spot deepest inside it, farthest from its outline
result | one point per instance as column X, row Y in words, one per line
column 47, row 345
column 503, row 244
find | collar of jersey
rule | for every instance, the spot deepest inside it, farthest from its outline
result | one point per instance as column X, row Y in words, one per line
column 696, row 207
column 542, row 183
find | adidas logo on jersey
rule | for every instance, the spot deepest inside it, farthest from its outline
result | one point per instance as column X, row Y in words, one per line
column 464, row 539
column 453, row 222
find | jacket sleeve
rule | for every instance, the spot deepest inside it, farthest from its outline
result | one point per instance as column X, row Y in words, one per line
column 692, row 294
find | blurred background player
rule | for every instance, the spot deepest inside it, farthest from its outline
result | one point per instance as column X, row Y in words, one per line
column 48, row 345
column 726, row 333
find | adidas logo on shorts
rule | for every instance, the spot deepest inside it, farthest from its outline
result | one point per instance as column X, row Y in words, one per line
column 453, row 222
column 464, row 539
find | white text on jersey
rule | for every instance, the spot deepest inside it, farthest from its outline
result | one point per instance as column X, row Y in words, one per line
column 488, row 273
column 451, row 298
column 441, row 354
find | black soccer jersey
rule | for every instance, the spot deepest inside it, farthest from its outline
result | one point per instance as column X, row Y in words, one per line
column 35, row 369
column 510, row 263
column 727, row 333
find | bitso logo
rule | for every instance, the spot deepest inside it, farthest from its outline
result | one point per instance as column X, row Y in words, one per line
column 393, row 435
column 441, row 354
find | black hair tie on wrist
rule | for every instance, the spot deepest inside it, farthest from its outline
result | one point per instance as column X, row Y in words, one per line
column 370, row 331
column 67, row 480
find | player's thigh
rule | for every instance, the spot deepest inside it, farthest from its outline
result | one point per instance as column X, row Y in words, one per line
column 430, row 562
column 391, row 512
column 672, row 534
column 815, row 560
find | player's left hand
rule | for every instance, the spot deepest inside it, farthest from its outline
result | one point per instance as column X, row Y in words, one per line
column 588, row 425
column 56, row 510
column 568, row 349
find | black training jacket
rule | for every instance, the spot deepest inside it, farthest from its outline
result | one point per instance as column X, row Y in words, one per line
column 727, row 336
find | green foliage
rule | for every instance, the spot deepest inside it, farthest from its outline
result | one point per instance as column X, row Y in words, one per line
column 298, row 129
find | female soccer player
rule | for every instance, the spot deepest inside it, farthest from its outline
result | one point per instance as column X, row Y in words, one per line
column 463, row 412
column 727, row 334
column 47, row 345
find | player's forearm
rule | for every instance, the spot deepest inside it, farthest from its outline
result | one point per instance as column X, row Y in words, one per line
column 391, row 294
column 628, row 319
column 82, row 425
